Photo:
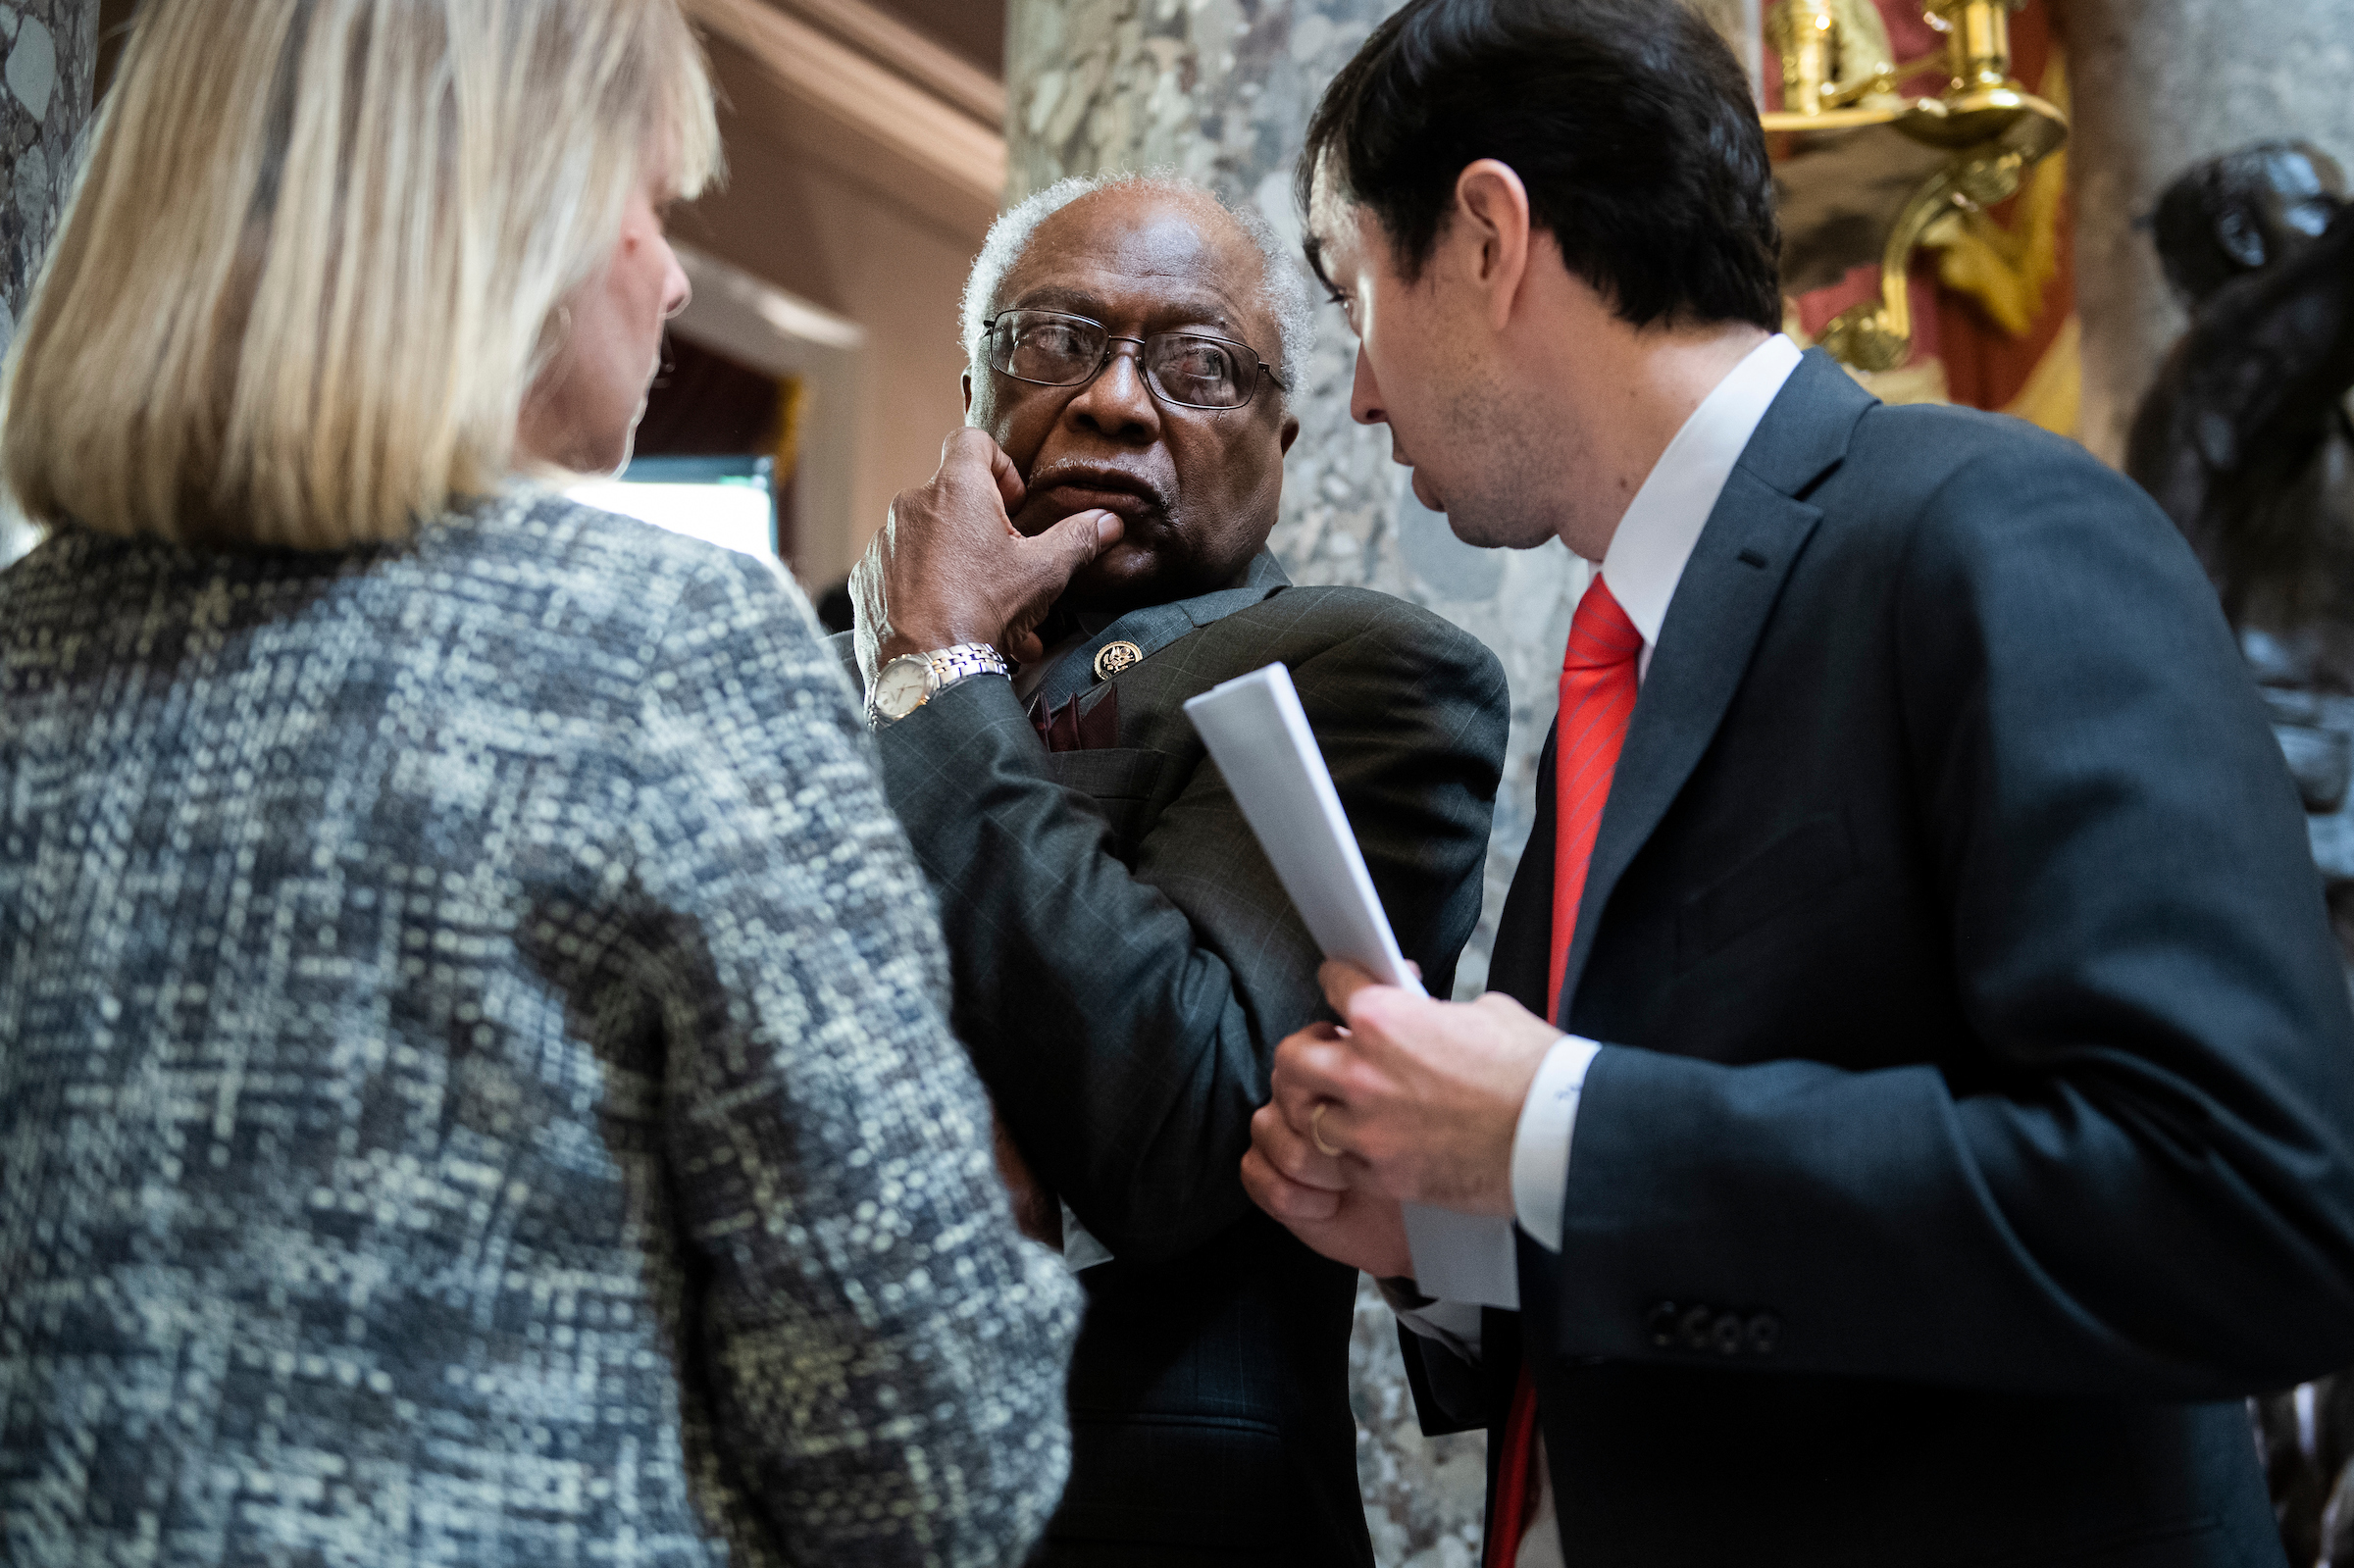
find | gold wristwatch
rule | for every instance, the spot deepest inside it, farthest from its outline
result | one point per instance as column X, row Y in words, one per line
column 912, row 680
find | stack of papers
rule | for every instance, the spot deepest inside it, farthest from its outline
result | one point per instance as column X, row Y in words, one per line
column 1259, row 737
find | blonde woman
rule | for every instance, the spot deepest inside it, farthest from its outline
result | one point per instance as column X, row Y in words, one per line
column 472, row 1078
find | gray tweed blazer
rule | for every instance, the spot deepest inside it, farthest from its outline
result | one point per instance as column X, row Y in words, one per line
column 473, row 1078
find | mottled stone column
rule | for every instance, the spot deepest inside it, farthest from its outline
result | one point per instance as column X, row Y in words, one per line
column 47, row 49
column 1221, row 90
column 2160, row 85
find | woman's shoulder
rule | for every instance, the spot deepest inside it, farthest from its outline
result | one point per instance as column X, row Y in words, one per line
column 542, row 534
column 572, row 565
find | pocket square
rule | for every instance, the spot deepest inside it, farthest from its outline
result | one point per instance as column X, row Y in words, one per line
column 1069, row 729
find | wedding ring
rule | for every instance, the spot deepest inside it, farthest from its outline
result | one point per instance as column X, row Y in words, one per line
column 1315, row 1127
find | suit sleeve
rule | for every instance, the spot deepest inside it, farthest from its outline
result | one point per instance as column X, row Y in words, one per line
column 2149, row 1192
column 886, row 1355
column 1125, row 1019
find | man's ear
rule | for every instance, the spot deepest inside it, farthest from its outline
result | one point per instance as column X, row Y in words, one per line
column 1492, row 228
column 1290, row 432
column 967, row 380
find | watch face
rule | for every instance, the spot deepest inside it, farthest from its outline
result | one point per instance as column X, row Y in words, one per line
column 901, row 685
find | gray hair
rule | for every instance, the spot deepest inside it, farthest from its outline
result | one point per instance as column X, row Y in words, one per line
column 1283, row 292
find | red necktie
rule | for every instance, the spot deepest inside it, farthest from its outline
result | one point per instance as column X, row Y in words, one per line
column 1598, row 698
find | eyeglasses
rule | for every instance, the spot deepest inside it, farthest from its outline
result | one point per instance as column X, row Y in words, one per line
column 1191, row 369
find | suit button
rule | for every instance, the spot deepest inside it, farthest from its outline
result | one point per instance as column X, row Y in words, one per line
column 1764, row 1330
column 1727, row 1335
column 1697, row 1323
column 1659, row 1322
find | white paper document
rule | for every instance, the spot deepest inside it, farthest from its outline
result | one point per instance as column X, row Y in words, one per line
column 1259, row 737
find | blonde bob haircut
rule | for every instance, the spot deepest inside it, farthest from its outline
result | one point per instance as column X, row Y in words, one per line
column 320, row 253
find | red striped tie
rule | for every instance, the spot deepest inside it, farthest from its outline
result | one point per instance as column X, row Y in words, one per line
column 1598, row 698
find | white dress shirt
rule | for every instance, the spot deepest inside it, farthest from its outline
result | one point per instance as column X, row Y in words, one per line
column 1643, row 565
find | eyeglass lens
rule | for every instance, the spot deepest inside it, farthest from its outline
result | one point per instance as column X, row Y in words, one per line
column 1056, row 350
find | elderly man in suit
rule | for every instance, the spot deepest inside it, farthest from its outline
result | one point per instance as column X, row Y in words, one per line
column 1124, row 959
column 1925, row 1081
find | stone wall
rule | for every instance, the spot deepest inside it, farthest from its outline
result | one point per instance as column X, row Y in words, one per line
column 47, row 50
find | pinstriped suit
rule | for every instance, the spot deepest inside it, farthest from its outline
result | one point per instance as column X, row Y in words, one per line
column 1125, row 963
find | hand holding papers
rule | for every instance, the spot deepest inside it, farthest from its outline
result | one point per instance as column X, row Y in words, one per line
column 1259, row 737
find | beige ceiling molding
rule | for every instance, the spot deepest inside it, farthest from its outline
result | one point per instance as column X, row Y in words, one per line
column 868, row 102
column 755, row 322
column 912, row 54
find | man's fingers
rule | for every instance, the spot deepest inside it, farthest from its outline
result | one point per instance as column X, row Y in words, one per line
column 1380, row 1017
column 1310, row 1066
column 1044, row 566
column 1286, row 1200
column 1079, row 538
column 969, row 455
column 1343, row 980
column 1010, row 488
column 1297, row 1157
column 966, row 451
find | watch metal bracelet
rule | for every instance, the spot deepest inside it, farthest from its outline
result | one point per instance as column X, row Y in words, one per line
column 952, row 665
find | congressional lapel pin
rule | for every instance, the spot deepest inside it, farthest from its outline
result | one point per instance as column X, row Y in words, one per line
column 1113, row 657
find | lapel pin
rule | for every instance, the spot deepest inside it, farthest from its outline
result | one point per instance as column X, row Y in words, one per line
column 1113, row 657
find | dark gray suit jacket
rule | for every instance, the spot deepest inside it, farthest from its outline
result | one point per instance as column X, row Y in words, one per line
column 1125, row 963
column 1983, row 1098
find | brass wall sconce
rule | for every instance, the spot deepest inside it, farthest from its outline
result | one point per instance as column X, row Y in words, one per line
column 1839, row 73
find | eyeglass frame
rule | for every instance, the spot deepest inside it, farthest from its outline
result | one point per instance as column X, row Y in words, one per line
column 989, row 327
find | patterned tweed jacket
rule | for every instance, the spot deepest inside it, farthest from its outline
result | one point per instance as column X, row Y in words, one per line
column 474, row 1086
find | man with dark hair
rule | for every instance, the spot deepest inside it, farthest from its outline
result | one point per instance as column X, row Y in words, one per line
column 1635, row 141
column 1124, row 959
column 1923, row 1081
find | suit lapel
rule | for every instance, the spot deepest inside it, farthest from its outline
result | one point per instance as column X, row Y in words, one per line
column 1721, row 603
column 1525, row 931
column 1154, row 626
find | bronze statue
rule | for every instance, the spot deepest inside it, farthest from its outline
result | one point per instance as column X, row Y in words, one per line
column 2247, row 440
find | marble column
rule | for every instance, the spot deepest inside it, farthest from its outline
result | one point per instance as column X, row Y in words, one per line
column 47, row 50
column 2160, row 85
column 1221, row 90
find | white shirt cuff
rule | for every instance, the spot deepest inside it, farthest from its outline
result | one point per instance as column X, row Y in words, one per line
column 1541, row 1143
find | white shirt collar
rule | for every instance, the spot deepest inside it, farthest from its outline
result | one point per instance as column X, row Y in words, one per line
column 1647, row 555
